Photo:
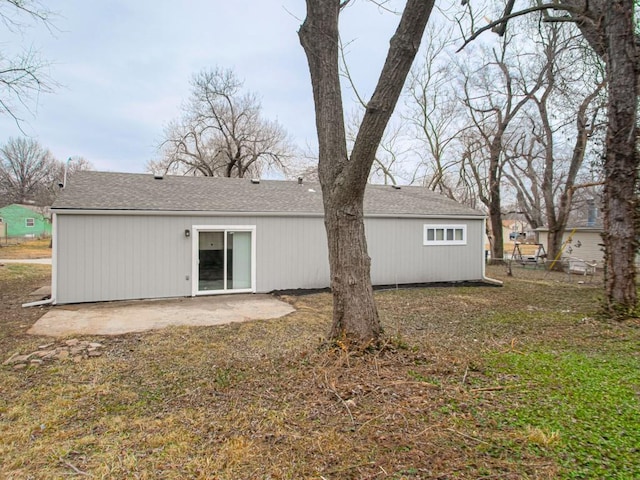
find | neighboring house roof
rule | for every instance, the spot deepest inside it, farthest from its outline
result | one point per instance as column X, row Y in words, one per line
column 127, row 191
column 579, row 227
column 23, row 210
column 44, row 211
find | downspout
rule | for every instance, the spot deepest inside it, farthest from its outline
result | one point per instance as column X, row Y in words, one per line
column 54, row 264
column 48, row 301
column 491, row 281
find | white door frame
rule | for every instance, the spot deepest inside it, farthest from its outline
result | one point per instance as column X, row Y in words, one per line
column 195, row 240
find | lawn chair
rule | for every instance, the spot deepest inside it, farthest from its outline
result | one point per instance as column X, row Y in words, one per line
column 577, row 266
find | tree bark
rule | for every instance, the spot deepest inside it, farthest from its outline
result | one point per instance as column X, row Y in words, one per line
column 343, row 179
column 621, row 162
column 495, row 199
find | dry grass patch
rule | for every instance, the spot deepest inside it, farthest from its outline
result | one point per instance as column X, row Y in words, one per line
column 39, row 248
column 266, row 399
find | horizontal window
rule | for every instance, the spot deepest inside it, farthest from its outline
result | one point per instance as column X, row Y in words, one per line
column 445, row 235
column 30, row 222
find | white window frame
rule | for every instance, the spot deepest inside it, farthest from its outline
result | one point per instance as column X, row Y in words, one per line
column 26, row 222
column 427, row 242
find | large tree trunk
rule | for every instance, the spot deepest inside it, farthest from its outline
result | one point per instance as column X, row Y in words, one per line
column 609, row 27
column 354, row 312
column 554, row 244
column 495, row 220
column 495, row 199
column 343, row 179
column 621, row 163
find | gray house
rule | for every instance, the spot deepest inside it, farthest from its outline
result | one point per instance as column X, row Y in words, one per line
column 123, row 236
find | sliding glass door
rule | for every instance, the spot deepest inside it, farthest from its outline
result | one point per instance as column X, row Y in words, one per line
column 224, row 260
column 238, row 260
column 210, row 261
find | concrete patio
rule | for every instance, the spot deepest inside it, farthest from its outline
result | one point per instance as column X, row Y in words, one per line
column 116, row 318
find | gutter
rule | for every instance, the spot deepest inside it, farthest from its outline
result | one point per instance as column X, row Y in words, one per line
column 54, row 265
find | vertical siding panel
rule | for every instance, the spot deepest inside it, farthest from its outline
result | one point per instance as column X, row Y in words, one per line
column 165, row 253
column 144, row 264
column 101, row 256
column 134, row 245
column 92, row 264
column 63, row 262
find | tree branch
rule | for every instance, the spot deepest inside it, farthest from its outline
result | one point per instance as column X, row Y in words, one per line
column 506, row 18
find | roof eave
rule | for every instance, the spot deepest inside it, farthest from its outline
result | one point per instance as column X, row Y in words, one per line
column 212, row 213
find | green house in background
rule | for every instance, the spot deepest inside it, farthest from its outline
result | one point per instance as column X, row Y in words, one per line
column 23, row 221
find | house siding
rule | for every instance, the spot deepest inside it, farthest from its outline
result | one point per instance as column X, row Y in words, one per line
column 14, row 220
column 399, row 256
column 585, row 245
column 119, row 257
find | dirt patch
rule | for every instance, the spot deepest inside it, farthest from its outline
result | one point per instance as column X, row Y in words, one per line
column 17, row 281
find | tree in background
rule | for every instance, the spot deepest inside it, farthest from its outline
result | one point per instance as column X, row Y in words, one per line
column 23, row 77
column 546, row 164
column 222, row 132
column 25, row 170
column 610, row 28
column 433, row 111
column 343, row 175
column 497, row 85
column 30, row 174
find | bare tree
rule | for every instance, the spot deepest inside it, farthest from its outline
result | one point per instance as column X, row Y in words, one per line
column 390, row 162
column 545, row 171
column 343, row 176
column 222, row 132
column 522, row 172
column 387, row 163
column 494, row 94
column 474, row 173
column 434, row 112
column 23, row 77
column 610, row 28
column 25, row 167
column 614, row 28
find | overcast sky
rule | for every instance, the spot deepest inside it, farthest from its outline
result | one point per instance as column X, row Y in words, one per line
column 124, row 68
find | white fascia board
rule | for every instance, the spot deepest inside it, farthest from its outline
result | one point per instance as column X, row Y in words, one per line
column 200, row 213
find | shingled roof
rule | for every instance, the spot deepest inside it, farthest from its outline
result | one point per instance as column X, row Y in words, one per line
column 130, row 191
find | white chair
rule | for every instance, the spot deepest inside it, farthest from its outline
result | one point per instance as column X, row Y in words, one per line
column 577, row 266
